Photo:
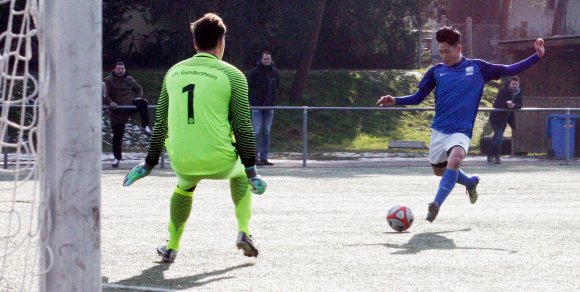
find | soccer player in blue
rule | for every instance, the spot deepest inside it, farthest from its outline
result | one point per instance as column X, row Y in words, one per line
column 458, row 84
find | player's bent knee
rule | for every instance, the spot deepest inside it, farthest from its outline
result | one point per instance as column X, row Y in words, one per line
column 454, row 163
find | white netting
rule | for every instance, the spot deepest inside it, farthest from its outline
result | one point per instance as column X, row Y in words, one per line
column 19, row 187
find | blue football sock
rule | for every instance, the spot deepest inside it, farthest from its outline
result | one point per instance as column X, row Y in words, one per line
column 446, row 186
column 463, row 179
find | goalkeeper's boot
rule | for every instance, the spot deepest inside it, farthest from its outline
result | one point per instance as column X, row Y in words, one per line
column 472, row 192
column 246, row 243
column 432, row 211
column 167, row 255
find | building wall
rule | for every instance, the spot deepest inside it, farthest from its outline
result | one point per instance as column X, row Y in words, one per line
column 539, row 20
column 556, row 75
column 554, row 82
column 530, row 133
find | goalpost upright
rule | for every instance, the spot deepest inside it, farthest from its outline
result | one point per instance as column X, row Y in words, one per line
column 70, row 33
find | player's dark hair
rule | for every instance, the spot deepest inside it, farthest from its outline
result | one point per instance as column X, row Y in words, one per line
column 119, row 64
column 207, row 31
column 266, row 52
column 514, row 78
column 449, row 35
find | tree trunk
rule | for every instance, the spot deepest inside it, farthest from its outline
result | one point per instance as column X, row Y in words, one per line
column 559, row 24
column 302, row 71
column 504, row 24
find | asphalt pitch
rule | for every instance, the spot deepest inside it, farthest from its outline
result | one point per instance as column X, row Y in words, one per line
column 323, row 228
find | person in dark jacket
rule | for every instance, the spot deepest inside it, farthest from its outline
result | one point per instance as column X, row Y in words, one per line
column 509, row 97
column 122, row 89
column 263, row 83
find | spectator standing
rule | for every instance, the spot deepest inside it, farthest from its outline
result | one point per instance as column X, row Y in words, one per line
column 264, row 84
column 509, row 97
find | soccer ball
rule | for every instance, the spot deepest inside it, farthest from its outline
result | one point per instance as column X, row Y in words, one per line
column 400, row 217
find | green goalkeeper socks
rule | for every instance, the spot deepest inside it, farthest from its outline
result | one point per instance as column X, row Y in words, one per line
column 181, row 202
column 242, row 197
column 180, row 208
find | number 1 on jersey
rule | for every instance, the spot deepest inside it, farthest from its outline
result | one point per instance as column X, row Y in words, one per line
column 189, row 88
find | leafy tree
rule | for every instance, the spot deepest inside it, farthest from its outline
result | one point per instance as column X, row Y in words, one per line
column 353, row 34
column 115, row 15
column 304, row 67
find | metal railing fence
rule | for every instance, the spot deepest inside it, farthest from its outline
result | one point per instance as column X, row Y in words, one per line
column 306, row 109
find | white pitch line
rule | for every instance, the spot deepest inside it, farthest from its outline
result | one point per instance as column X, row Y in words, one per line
column 141, row 288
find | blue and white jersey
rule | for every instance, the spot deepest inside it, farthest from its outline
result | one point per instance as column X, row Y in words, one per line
column 458, row 91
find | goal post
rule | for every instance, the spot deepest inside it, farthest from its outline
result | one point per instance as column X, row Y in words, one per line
column 70, row 38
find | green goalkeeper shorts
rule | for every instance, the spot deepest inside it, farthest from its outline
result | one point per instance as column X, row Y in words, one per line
column 186, row 182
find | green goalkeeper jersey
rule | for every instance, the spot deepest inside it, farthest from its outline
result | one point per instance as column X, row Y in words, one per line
column 203, row 117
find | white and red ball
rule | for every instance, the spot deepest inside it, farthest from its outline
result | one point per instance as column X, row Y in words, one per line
column 400, row 217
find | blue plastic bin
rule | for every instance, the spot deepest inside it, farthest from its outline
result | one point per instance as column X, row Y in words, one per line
column 556, row 129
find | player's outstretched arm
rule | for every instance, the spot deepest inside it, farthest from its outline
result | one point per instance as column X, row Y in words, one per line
column 138, row 172
column 495, row 71
column 256, row 181
column 426, row 85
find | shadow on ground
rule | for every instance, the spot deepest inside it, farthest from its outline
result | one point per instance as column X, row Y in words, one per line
column 154, row 277
column 431, row 241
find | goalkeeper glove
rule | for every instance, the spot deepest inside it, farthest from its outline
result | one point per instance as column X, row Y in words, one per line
column 256, row 181
column 138, row 172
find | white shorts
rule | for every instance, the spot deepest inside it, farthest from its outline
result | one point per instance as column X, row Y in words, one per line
column 442, row 143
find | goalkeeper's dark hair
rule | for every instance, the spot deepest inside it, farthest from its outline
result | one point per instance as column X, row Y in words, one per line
column 449, row 35
column 207, row 31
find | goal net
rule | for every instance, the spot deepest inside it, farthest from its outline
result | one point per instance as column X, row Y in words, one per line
column 50, row 145
column 19, row 188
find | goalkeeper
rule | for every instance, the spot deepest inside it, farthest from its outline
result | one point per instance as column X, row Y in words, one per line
column 203, row 100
